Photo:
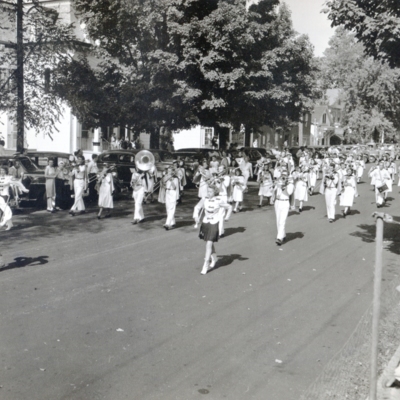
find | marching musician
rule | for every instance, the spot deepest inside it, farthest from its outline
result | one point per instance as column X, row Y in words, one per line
column 200, row 177
column 139, row 185
column 151, row 176
column 214, row 164
column 181, row 174
column 283, row 189
column 312, row 175
column 379, row 178
column 238, row 187
column 6, row 215
column 392, row 168
column 330, row 187
column 209, row 229
column 106, row 182
column 93, row 170
column 171, row 197
column 348, row 191
column 301, row 187
column 222, row 182
column 266, row 182
column 79, row 173
column 360, row 166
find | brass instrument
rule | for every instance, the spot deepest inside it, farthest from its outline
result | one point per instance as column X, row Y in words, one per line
column 102, row 174
column 144, row 160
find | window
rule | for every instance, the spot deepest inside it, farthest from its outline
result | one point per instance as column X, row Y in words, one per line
column 324, row 119
column 208, row 135
column 85, row 141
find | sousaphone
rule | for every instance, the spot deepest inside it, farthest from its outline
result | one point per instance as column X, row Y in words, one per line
column 144, row 160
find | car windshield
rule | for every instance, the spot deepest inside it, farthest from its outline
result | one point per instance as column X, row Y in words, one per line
column 167, row 156
column 28, row 164
column 108, row 157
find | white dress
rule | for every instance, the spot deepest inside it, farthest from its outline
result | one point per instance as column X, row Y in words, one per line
column 105, row 192
column 238, row 184
column 267, row 184
column 300, row 189
column 360, row 168
column 349, row 191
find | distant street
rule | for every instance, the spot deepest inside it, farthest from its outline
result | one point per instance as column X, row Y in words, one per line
column 106, row 310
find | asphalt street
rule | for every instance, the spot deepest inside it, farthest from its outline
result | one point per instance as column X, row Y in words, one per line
column 107, row 310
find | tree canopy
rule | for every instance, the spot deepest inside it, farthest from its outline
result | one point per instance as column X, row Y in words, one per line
column 177, row 63
column 47, row 41
column 370, row 88
column 376, row 24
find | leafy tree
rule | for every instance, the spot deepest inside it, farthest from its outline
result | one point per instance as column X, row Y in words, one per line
column 176, row 63
column 376, row 24
column 370, row 88
column 47, row 42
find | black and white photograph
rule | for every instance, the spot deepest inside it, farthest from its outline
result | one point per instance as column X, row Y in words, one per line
column 199, row 199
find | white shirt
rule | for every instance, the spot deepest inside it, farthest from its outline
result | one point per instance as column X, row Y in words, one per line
column 211, row 209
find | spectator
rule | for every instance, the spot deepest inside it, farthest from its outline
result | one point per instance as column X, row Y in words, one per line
column 2, row 151
column 114, row 141
column 50, row 174
column 92, row 170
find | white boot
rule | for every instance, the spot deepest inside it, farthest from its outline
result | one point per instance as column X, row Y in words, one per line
column 213, row 260
column 205, row 267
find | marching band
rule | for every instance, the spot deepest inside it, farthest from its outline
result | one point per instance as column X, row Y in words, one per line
column 221, row 188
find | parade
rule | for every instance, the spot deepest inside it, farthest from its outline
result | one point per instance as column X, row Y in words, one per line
column 199, row 198
column 221, row 189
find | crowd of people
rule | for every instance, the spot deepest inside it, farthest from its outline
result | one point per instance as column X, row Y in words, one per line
column 222, row 185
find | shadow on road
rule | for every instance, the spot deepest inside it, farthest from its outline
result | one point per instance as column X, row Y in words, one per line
column 232, row 231
column 353, row 212
column 391, row 234
column 308, row 208
column 20, row 262
column 293, row 236
column 224, row 261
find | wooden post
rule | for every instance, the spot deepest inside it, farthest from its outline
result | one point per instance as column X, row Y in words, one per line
column 376, row 304
column 20, row 78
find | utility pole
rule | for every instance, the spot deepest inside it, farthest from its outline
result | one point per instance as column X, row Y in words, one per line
column 20, row 77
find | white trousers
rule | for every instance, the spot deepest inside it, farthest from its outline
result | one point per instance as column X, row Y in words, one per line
column 138, row 196
column 170, row 205
column 79, row 187
column 281, row 211
column 330, row 200
column 379, row 197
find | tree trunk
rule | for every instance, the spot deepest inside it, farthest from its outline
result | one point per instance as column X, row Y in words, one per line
column 223, row 136
column 247, row 136
column 155, row 138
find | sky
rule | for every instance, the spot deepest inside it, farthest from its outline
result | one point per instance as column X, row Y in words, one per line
column 307, row 18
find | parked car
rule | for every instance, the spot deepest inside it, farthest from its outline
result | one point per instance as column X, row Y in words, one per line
column 200, row 152
column 41, row 158
column 124, row 160
column 33, row 179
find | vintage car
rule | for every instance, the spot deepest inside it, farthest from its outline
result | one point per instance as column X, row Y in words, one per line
column 200, row 153
column 33, row 179
column 41, row 158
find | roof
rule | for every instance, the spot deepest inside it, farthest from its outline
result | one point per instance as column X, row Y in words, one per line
column 318, row 112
